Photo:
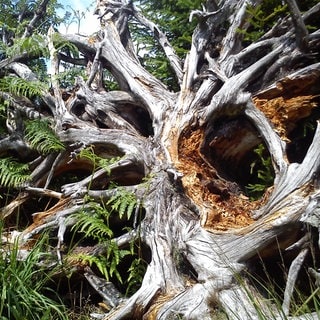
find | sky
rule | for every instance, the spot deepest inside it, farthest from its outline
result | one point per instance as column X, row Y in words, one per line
column 88, row 24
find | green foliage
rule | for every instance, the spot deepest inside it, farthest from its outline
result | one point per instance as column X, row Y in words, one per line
column 123, row 202
column 305, row 298
column 35, row 45
column 106, row 264
column 39, row 67
column 67, row 77
column 173, row 19
column 42, row 138
column 309, row 126
column 110, row 81
column 263, row 170
column 261, row 18
column 3, row 116
column 65, row 46
column 16, row 15
column 309, row 303
column 94, row 224
column 22, row 87
column 23, row 287
column 98, row 162
column 136, row 271
column 13, row 173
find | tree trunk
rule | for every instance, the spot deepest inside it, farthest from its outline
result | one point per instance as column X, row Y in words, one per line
column 187, row 157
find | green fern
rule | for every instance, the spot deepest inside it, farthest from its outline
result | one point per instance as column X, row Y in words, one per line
column 63, row 45
column 114, row 257
column 94, row 225
column 262, row 168
column 136, row 271
column 98, row 162
column 21, row 87
column 98, row 261
column 106, row 264
column 123, row 202
column 34, row 45
column 12, row 173
column 42, row 138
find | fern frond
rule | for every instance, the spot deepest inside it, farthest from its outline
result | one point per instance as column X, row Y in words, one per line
column 12, row 173
column 42, row 138
column 114, row 257
column 62, row 44
column 35, row 45
column 104, row 163
column 99, row 261
column 88, row 153
column 98, row 162
column 136, row 271
column 92, row 225
column 113, row 271
column 21, row 87
column 123, row 202
column 263, row 170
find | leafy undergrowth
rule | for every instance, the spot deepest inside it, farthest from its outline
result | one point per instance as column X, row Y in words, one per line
column 27, row 289
column 25, row 293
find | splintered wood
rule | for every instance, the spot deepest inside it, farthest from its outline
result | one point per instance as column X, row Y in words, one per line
column 284, row 113
column 221, row 207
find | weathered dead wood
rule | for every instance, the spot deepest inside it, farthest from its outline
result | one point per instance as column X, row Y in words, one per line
column 300, row 28
column 202, row 231
column 164, row 42
column 292, row 278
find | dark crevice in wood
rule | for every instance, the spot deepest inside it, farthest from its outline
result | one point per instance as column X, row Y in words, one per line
column 268, row 269
column 138, row 117
column 228, row 146
column 69, row 175
column 74, row 290
column 222, row 203
column 301, row 136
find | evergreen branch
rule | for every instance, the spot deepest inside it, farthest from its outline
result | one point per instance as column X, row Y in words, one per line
column 42, row 138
